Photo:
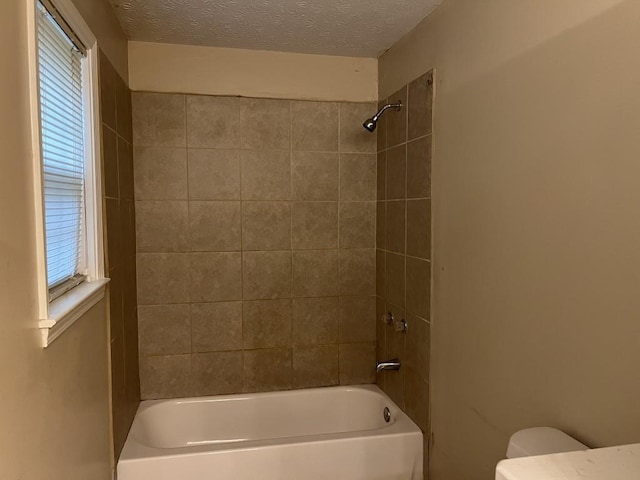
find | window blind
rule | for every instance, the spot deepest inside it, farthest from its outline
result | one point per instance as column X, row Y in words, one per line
column 60, row 65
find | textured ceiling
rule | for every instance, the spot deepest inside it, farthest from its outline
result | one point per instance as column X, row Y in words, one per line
column 361, row 28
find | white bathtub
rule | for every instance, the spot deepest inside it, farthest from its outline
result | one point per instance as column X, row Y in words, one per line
column 336, row 433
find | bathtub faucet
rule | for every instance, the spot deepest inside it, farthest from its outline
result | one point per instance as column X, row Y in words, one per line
column 393, row 364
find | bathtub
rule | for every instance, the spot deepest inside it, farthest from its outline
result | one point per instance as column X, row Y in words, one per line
column 335, row 433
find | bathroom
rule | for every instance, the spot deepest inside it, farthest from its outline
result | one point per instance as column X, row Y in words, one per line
column 248, row 237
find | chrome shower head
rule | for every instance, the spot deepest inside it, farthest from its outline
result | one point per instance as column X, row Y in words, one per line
column 371, row 123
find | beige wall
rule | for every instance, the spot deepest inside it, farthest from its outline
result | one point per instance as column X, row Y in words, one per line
column 53, row 402
column 156, row 67
column 535, row 194
column 255, row 222
column 104, row 24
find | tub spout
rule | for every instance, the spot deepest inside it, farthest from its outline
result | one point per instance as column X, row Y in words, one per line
column 393, row 364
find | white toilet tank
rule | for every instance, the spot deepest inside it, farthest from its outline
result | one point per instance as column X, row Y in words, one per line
column 541, row 441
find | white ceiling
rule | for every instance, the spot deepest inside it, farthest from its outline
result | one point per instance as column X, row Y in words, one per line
column 361, row 28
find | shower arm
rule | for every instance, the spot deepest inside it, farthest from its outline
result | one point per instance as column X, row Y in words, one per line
column 397, row 106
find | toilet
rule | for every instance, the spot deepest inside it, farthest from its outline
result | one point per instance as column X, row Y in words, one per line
column 541, row 441
column 536, row 441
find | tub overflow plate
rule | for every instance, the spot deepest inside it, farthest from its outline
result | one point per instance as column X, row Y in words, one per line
column 386, row 414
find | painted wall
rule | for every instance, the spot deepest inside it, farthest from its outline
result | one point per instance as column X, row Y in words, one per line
column 156, row 67
column 104, row 24
column 54, row 403
column 536, row 232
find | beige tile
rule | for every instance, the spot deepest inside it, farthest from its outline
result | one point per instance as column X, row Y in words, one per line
column 160, row 173
column 381, row 130
column 314, row 176
column 267, row 370
column 315, row 366
column 214, row 174
column 381, row 327
column 397, row 120
column 314, row 126
column 357, row 319
column 165, row 376
column 380, row 273
column 425, row 452
column 314, row 225
column 394, row 381
column 216, row 326
column 395, row 279
column 357, row 177
column 357, row 272
column 357, row 224
column 380, row 346
column 163, row 278
column 264, row 124
column 419, row 228
column 129, row 302
column 162, row 226
column 420, row 106
column 110, row 162
column 418, row 287
column 216, row 373
column 214, row 226
column 213, row 122
column 158, row 120
column 418, row 347
column 266, row 225
column 381, row 176
column 419, row 168
column 118, row 370
column 127, row 229
column 354, row 138
column 315, row 273
column 395, row 225
column 215, row 277
column 114, row 232
column 396, row 172
column 123, row 110
column 266, row 323
column 266, row 175
column 417, row 400
column 107, row 92
column 125, row 169
column 357, row 363
column 315, row 321
column 266, row 275
column 381, row 224
column 164, row 329
column 116, row 320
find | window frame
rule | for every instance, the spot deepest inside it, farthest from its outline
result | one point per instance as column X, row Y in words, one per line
column 57, row 315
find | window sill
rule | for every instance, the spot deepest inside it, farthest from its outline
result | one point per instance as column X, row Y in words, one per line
column 66, row 310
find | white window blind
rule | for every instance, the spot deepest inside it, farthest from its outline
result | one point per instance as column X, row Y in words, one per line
column 60, row 66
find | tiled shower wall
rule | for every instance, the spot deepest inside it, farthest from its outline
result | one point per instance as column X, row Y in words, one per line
column 403, row 276
column 120, row 248
column 255, row 226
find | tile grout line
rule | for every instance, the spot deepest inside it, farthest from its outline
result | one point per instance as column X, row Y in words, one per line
column 186, row 141
column 339, row 259
column 291, row 235
column 242, row 300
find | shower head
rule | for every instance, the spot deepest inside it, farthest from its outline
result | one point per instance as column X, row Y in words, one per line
column 371, row 123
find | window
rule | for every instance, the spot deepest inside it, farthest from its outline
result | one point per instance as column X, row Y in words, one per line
column 67, row 177
column 60, row 67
